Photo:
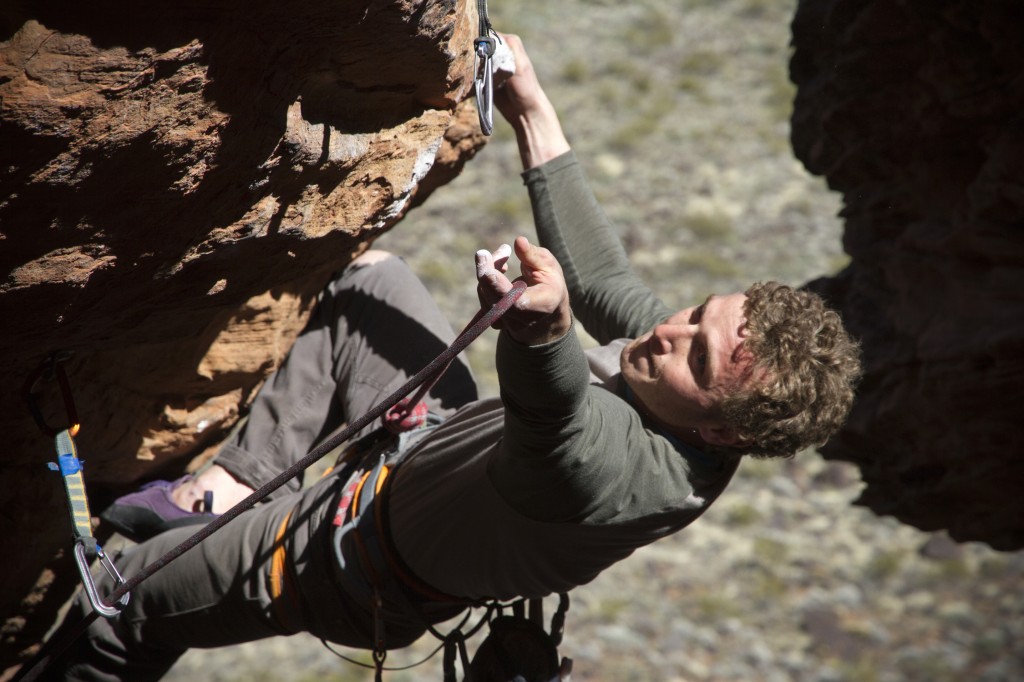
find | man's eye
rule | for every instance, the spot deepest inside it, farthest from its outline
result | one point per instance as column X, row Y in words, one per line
column 702, row 360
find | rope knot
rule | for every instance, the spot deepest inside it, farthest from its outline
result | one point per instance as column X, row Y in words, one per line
column 405, row 416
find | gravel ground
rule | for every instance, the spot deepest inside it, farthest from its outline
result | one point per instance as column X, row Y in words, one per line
column 679, row 112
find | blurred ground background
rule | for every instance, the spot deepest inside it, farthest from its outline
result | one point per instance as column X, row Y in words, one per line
column 679, row 112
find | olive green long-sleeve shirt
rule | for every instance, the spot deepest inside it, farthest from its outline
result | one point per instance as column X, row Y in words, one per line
column 539, row 491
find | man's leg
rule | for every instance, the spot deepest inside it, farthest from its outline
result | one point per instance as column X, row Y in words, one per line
column 270, row 571
column 212, row 595
column 375, row 327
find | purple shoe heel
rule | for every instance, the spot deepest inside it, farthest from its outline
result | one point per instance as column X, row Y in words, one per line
column 150, row 511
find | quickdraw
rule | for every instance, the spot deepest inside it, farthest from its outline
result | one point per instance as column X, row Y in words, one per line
column 70, row 468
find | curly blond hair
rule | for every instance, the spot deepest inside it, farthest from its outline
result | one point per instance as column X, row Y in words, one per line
column 806, row 367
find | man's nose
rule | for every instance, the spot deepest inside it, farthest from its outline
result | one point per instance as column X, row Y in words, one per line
column 671, row 335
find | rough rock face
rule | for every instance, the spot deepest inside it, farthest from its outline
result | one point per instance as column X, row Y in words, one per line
column 913, row 110
column 177, row 181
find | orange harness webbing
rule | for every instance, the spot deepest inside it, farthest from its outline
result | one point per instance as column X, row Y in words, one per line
column 282, row 582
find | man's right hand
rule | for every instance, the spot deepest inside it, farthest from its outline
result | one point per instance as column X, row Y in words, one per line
column 526, row 107
column 542, row 314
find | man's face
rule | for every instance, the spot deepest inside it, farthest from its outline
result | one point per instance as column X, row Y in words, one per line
column 680, row 370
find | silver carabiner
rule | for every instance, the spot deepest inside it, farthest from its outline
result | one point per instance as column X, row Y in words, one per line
column 483, row 80
column 105, row 610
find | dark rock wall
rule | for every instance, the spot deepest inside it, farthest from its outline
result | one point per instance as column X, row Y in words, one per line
column 177, row 180
column 914, row 111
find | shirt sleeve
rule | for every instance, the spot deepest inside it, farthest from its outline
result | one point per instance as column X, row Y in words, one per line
column 607, row 296
column 575, row 452
column 544, row 392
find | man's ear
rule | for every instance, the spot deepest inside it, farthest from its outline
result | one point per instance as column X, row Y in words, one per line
column 721, row 435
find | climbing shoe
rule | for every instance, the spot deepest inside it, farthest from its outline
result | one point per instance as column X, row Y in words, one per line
column 150, row 511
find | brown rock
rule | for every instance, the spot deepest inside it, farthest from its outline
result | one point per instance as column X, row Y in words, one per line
column 177, row 181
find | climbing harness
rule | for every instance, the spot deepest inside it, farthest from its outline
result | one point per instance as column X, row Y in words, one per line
column 361, row 519
column 483, row 72
column 70, row 468
column 483, row 320
column 359, row 524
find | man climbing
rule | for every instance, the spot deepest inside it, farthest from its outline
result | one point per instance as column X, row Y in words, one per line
column 585, row 457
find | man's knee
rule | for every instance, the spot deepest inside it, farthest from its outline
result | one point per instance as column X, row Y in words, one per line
column 371, row 257
column 373, row 270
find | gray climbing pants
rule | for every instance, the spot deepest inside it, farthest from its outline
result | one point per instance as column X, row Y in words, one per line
column 375, row 327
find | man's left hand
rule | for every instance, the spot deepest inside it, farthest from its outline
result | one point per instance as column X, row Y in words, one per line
column 542, row 314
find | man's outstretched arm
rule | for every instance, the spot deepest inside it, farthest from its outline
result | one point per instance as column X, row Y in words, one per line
column 608, row 297
column 526, row 107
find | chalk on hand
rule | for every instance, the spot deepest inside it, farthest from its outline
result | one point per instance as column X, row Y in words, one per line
column 503, row 61
column 503, row 251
